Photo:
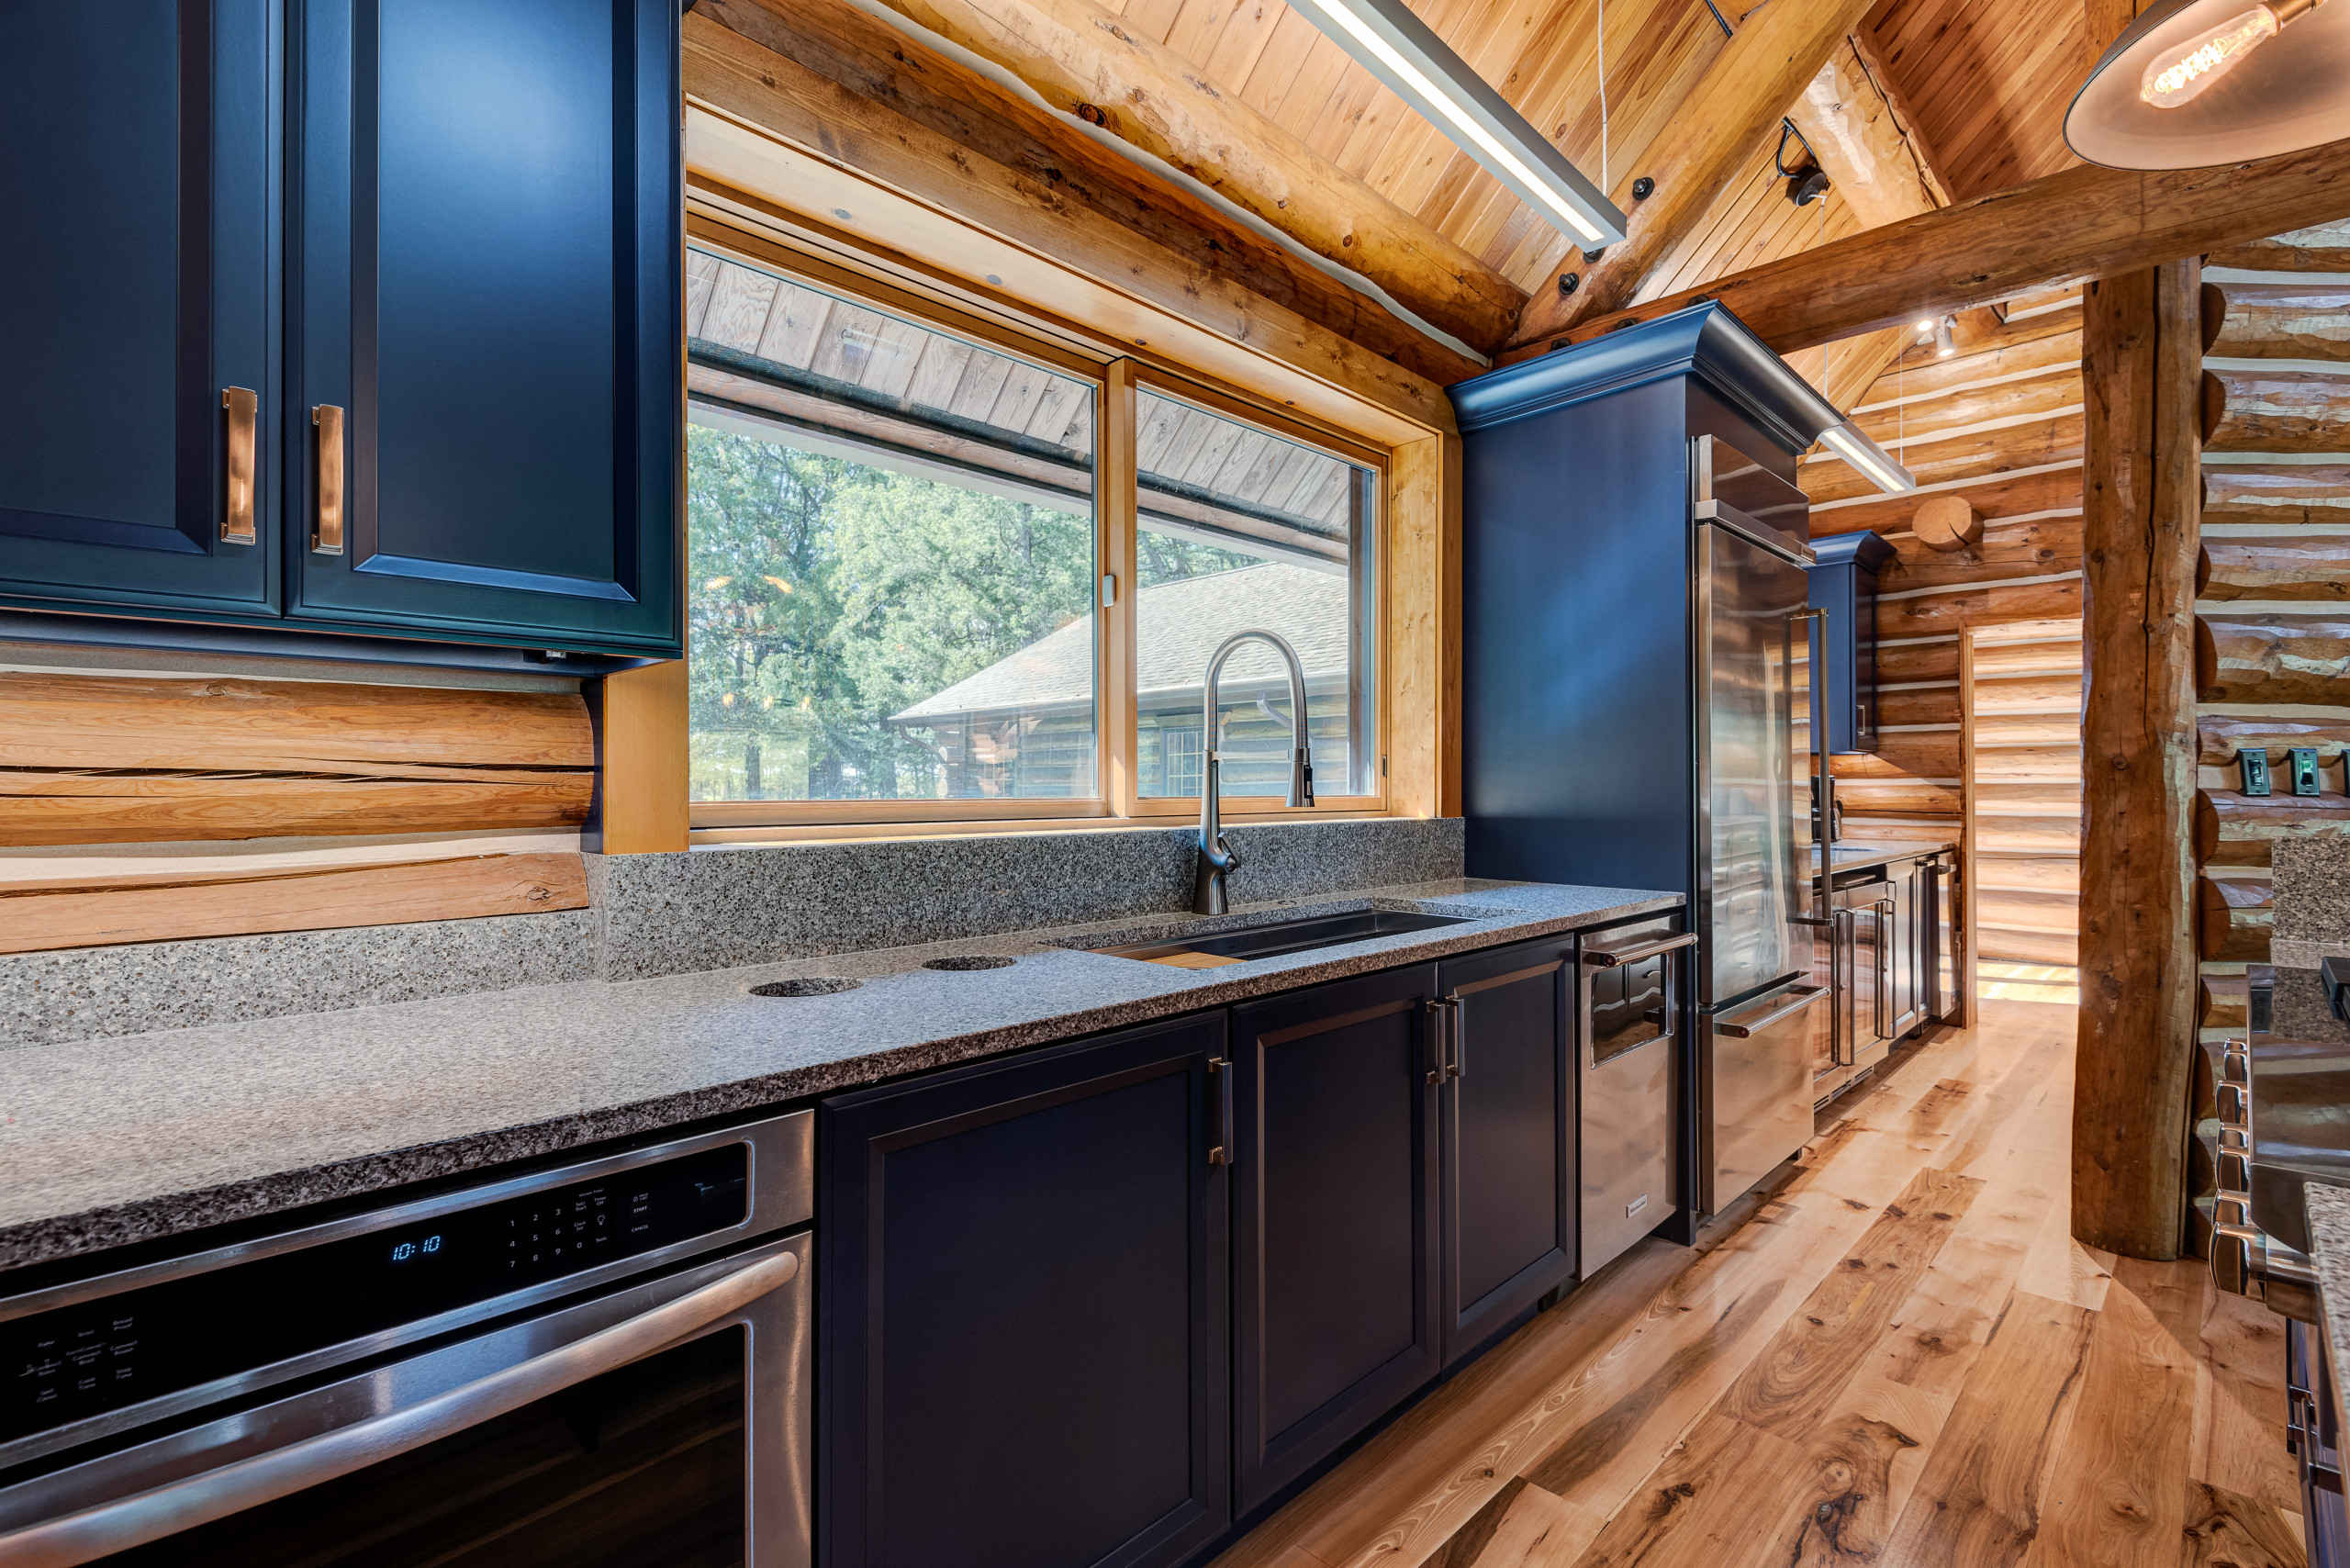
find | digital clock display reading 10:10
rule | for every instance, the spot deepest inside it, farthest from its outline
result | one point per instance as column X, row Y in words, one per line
column 406, row 1252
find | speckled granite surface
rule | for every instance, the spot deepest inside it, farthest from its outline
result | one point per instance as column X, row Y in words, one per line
column 104, row 1142
column 707, row 909
column 2312, row 879
column 719, row 908
column 81, row 993
column 2329, row 1212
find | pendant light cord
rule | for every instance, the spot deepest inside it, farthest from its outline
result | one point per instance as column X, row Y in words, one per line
column 1603, row 182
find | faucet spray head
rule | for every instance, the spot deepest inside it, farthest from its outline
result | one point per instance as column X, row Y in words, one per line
column 1301, row 776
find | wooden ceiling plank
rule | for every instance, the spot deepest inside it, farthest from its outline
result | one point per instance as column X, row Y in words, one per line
column 1082, row 61
column 1758, row 73
column 1247, row 34
column 874, row 60
column 2082, row 223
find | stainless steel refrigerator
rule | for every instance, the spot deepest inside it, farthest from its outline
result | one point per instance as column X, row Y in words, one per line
column 1633, row 647
column 1752, row 902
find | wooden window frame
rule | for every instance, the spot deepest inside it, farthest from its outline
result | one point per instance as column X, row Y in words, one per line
column 1116, row 734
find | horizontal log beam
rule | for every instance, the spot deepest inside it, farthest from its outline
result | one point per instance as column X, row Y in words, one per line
column 1955, row 458
column 2232, row 829
column 1087, row 62
column 2308, row 567
column 1933, row 613
column 2284, row 320
column 2282, row 493
column 1993, row 496
column 1902, row 757
column 2321, row 248
column 64, row 721
column 2233, row 918
column 2223, row 736
column 2051, row 391
column 2044, row 694
column 2283, row 410
column 2271, row 658
column 42, row 807
column 2038, row 548
column 2068, row 228
column 101, row 913
column 2031, row 873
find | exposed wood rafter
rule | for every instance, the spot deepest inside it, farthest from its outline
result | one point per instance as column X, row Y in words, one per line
column 1084, row 62
column 2068, row 228
column 1763, row 70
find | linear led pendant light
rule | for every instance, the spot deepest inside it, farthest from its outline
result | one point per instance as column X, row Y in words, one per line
column 1395, row 46
column 1875, row 464
column 2195, row 83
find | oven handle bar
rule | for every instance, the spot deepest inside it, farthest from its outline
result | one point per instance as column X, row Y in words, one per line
column 75, row 1539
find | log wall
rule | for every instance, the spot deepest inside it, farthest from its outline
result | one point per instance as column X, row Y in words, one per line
column 139, row 807
column 1998, row 425
column 2273, row 599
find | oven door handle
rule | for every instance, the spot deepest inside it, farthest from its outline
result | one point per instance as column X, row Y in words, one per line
column 143, row 1517
column 1804, row 995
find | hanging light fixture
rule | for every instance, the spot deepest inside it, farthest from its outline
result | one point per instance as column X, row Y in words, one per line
column 1395, row 46
column 2193, row 84
column 1945, row 343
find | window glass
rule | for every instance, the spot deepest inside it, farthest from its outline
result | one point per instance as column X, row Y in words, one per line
column 1241, row 529
column 890, row 554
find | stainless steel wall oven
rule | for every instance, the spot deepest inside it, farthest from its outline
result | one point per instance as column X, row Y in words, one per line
column 602, row 1366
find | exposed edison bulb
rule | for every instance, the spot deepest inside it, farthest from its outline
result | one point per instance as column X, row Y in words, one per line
column 2175, row 77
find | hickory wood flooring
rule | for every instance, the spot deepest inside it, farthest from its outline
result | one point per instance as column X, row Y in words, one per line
column 1895, row 1355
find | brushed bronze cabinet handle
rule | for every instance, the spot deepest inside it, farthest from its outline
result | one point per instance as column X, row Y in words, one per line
column 326, row 533
column 242, row 406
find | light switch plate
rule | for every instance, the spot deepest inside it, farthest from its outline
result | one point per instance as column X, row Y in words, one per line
column 2254, row 765
column 2303, row 762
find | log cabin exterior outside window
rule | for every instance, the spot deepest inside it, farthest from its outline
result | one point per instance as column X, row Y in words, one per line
column 909, row 602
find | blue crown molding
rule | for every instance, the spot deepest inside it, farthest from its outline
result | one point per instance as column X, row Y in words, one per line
column 1866, row 549
column 1705, row 341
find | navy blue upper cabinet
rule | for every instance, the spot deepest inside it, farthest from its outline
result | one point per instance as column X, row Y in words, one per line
column 137, row 283
column 1845, row 583
column 489, row 259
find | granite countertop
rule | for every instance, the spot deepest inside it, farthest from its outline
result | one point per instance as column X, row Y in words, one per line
column 132, row 1139
column 2329, row 1212
column 1854, row 856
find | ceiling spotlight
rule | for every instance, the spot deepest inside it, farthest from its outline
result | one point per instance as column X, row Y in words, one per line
column 1945, row 344
column 2188, row 85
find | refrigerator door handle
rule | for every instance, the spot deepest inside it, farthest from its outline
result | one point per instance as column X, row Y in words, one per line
column 1823, row 837
column 1843, row 950
column 1885, row 910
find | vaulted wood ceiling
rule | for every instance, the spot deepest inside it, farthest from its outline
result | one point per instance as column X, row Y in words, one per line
column 1925, row 103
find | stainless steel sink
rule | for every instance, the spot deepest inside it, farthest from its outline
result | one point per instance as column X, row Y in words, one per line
column 1213, row 950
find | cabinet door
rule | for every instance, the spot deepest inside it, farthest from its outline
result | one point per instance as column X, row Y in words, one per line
column 1506, row 1137
column 490, row 254
column 1025, row 1312
column 137, row 283
column 1335, row 1217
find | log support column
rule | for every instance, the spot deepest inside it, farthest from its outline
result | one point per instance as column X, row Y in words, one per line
column 2142, row 362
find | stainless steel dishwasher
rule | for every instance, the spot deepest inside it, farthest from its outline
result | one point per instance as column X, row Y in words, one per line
column 1628, row 1022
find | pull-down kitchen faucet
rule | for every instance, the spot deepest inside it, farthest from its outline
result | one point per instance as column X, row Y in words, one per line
column 1216, row 858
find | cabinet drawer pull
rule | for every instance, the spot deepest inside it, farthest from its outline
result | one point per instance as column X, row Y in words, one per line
column 1804, row 997
column 242, row 406
column 326, row 532
column 1610, row 958
column 1220, row 1099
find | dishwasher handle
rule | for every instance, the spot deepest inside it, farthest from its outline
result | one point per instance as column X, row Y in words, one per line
column 1615, row 957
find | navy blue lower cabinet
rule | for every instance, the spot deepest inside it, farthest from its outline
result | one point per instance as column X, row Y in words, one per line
column 485, row 425
column 139, row 285
column 1335, row 1217
column 1025, row 1297
column 1507, row 1137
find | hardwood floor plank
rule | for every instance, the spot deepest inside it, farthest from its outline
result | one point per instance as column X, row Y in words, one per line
column 1935, row 1339
column 1529, row 1529
column 2240, row 1402
column 2225, row 1530
column 1977, row 1505
column 1710, row 1503
column 2116, row 1498
column 1799, row 1378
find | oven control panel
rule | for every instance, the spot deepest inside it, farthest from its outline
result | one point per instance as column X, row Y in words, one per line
column 62, row 1365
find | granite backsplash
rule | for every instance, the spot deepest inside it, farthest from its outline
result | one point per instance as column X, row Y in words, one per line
column 704, row 908
column 2312, row 892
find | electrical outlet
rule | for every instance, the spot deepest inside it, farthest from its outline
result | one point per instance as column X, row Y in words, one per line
column 2254, row 765
column 2303, row 762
